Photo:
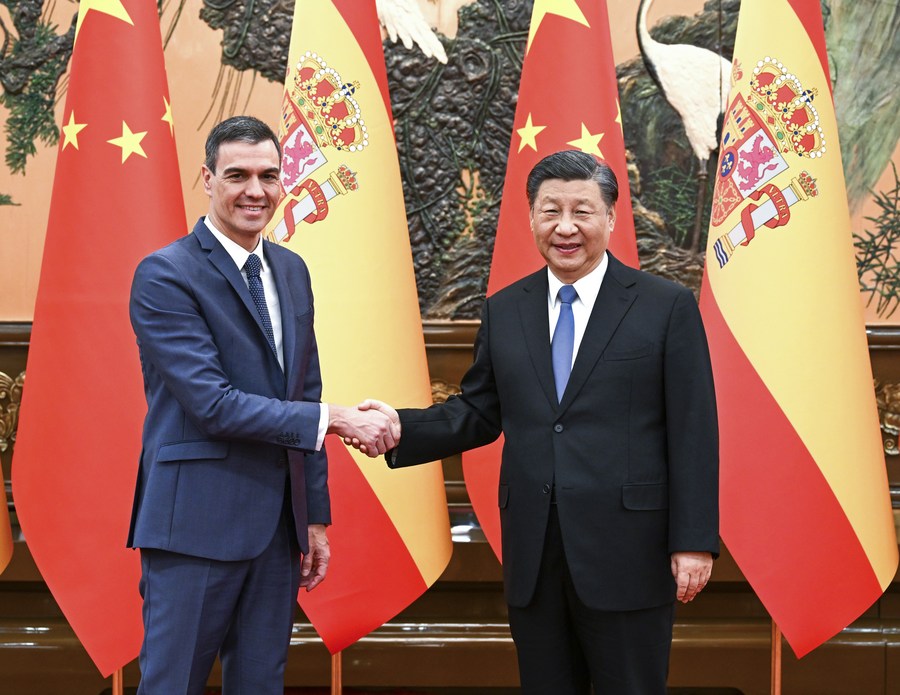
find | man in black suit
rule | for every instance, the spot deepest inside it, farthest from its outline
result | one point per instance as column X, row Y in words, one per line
column 598, row 375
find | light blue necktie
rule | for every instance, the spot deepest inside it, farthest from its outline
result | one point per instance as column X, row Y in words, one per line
column 563, row 343
column 254, row 283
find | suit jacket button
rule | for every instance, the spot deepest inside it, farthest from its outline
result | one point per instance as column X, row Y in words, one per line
column 558, row 427
column 546, row 488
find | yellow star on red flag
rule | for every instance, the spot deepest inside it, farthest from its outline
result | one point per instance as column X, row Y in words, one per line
column 129, row 142
column 528, row 134
column 588, row 142
column 114, row 8
column 167, row 117
column 564, row 8
column 71, row 130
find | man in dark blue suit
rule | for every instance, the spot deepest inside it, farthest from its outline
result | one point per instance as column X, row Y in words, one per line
column 232, row 486
column 599, row 378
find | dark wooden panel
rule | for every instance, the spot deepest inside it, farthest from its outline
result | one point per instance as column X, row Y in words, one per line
column 455, row 635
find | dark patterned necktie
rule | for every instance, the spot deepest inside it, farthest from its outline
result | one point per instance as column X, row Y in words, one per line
column 563, row 343
column 252, row 268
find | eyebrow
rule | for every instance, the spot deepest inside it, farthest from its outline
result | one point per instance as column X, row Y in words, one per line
column 242, row 170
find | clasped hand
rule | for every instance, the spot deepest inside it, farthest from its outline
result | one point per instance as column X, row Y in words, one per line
column 372, row 427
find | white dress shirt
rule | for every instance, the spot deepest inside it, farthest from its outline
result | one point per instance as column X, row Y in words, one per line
column 587, row 288
column 240, row 255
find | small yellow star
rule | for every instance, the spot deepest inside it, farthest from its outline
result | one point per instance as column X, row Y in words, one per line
column 129, row 142
column 167, row 117
column 618, row 113
column 114, row 8
column 71, row 130
column 564, row 8
column 588, row 142
column 528, row 134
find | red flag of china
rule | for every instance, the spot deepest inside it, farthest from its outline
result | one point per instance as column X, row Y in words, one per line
column 568, row 100
column 116, row 197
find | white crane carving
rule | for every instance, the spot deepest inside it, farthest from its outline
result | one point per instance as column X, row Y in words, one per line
column 403, row 19
column 695, row 81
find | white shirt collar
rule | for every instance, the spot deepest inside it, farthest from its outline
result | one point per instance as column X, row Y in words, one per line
column 587, row 287
column 237, row 252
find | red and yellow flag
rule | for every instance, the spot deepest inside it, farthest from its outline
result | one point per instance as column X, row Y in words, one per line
column 344, row 214
column 568, row 100
column 116, row 197
column 804, row 496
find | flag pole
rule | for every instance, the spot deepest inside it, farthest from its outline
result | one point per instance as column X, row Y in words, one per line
column 776, row 659
column 336, row 687
column 117, row 687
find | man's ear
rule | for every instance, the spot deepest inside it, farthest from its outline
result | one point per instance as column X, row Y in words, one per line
column 206, row 175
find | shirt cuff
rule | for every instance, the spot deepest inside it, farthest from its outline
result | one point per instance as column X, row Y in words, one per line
column 323, row 425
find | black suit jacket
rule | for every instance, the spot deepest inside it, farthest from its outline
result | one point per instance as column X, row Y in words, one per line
column 632, row 449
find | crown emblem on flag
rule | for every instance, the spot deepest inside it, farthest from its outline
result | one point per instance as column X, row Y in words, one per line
column 325, row 102
column 767, row 124
column 786, row 108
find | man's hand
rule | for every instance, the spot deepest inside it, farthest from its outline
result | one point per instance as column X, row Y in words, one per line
column 315, row 562
column 370, row 404
column 369, row 430
column 691, row 572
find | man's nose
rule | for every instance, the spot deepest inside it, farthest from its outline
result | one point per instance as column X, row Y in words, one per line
column 254, row 187
column 566, row 224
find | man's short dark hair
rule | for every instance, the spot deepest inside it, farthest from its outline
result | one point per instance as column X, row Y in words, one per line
column 237, row 129
column 573, row 165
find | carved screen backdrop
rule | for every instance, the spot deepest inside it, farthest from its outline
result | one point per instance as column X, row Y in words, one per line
column 453, row 121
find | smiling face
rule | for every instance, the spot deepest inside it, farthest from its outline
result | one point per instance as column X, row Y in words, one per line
column 571, row 226
column 244, row 190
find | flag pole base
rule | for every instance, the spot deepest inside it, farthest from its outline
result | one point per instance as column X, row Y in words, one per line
column 336, row 685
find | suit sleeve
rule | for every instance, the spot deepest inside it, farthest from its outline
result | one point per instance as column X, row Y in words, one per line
column 315, row 464
column 466, row 421
column 691, row 431
column 176, row 342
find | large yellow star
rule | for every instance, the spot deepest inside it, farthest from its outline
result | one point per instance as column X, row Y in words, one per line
column 71, row 130
column 528, row 134
column 588, row 142
column 114, row 8
column 564, row 8
column 167, row 117
column 129, row 142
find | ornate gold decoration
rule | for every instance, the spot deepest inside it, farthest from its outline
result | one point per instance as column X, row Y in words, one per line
column 11, row 391
column 441, row 390
column 887, row 396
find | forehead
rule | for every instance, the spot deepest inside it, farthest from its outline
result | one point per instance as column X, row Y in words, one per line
column 557, row 190
column 247, row 155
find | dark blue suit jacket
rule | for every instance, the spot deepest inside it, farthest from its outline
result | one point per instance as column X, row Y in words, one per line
column 226, row 429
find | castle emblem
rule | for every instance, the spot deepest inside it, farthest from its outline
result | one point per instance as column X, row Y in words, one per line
column 766, row 129
column 320, row 118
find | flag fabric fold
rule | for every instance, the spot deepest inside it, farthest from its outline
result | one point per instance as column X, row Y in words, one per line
column 805, row 509
column 568, row 100
column 116, row 197
column 344, row 214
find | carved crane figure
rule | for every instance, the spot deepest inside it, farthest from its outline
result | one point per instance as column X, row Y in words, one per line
column 695, row 81
column 403, row 19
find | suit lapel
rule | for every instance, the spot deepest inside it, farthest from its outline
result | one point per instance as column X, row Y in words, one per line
column 286, row 299
column 615, row 298
column 224, row 263
column 534, row 318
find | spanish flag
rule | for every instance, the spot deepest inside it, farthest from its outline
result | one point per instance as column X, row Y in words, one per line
column 804, row 497
column 568, row 100
column 344, row 214
column 116, row 197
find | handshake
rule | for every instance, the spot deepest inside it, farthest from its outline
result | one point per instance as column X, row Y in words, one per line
column 372, row 427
